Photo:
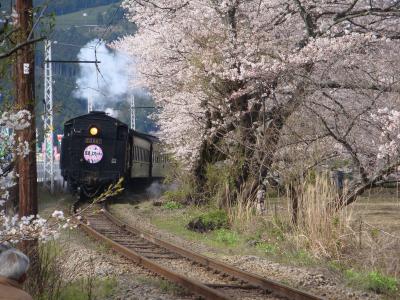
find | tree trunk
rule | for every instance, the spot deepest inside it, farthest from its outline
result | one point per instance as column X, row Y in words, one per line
column 294, row 199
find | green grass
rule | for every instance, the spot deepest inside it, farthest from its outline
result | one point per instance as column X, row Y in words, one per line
column 267, row 248
column 226, row 237
column 175, row 221
column 215, row 219
column 373, row 281
column 172, row 205
column 79, row 290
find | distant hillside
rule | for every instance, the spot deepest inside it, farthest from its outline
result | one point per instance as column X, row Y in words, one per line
column 90, row 17
column 61, row 7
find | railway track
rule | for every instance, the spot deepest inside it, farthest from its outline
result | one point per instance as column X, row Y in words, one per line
column 199, row 274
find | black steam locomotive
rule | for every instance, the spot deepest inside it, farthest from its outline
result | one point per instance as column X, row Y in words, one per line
column 98, row 150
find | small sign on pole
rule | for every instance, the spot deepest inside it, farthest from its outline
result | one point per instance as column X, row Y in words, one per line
column 26, row 68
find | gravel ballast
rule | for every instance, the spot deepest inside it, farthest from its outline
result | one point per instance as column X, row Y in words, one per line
column 83, row 257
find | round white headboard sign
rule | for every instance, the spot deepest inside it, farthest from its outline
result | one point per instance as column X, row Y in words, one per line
column 93, row 154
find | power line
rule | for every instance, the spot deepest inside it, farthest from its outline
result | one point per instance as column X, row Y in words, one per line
column 108, row 26
column 101, row 38
column 73, row 61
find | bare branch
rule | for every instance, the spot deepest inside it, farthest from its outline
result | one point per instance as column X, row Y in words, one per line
column 19, row 46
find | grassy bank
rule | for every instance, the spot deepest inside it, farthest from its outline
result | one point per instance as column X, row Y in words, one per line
column 366, row 261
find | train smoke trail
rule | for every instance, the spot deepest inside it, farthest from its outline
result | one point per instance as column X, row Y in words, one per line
column 107, row 83
column 156, row 189
column 112, row 112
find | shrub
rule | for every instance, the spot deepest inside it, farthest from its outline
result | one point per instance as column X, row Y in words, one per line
column 179, row 195
column 373, row 281
column 209, row 221
column 172, row 205
column 380, row 283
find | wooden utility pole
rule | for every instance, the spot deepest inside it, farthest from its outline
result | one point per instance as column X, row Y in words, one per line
column 25, row 99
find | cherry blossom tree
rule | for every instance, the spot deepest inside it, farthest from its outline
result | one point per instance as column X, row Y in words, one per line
column 258, row 83
column 12, row 121
column 13, row 228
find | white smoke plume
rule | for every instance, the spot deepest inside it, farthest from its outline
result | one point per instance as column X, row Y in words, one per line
column 108, row 82
column 111, row 112
column 156, row 189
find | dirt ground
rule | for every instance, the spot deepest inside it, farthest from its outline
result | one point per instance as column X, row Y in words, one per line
column 379, row 208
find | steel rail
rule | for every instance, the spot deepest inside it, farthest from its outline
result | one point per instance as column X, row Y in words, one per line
column 253, row 279
column 192, row 285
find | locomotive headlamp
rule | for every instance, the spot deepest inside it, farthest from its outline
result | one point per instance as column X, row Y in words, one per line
column 93, row 131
